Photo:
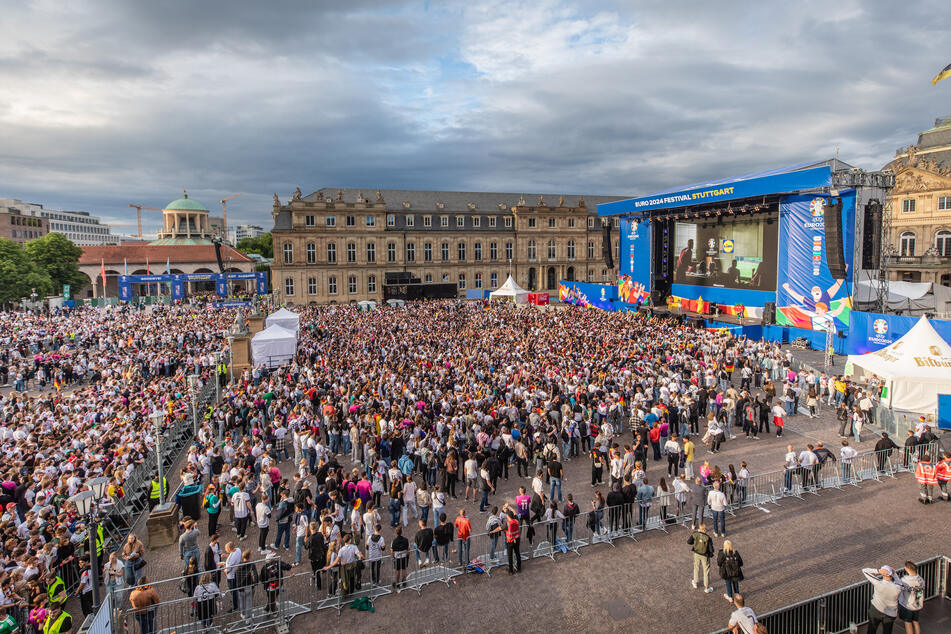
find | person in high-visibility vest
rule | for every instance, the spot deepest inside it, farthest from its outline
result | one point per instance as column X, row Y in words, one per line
column 943, row 473
column 157, row 496
column 58, row 621
column 56, row 589
column 927, row 476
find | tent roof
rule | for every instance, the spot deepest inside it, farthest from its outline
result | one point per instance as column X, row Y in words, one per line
column 510, row 287
column 283, row 312
column 920, row 353
column 274, row 332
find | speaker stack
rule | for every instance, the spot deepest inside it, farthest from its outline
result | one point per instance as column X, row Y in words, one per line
column 833, row 223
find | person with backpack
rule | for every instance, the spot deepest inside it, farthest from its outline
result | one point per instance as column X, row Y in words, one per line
column 730, row 564
column 271, row 578
column 702, row 547
column 912, row 598
column 285, row 513
column 206, row 597
column 212, row 505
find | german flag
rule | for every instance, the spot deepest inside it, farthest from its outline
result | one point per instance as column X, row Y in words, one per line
column 944, row 74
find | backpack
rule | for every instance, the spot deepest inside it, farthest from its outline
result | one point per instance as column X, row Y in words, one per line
column 701, row 543
column 731, row 566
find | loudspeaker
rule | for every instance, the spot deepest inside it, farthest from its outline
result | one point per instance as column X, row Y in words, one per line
column 607, row 252
column 769, row 313
column 833, row 222
column 872, row 235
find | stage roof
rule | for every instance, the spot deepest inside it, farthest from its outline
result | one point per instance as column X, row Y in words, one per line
column 782, row 180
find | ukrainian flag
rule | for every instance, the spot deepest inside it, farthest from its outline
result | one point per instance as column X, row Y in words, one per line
column 944, row 74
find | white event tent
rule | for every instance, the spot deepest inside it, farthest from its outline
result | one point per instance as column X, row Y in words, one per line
column 915, row 369
column 285, row 319
column 274, row 346
column 510, row 291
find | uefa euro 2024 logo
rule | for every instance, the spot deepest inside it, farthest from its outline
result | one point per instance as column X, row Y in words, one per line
column 880, row 326
column 817, row 206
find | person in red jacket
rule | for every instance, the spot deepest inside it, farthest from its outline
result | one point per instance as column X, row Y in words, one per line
column 943, row 471
column 927, row 477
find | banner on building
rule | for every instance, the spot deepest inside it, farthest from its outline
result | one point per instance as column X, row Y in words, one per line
column 634, row 267
column 807, row 295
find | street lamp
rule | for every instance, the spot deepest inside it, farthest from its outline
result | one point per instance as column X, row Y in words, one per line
column 156, row 417
column 231, row 358
column 192, row 382
column 221, row 421
column 86, row 503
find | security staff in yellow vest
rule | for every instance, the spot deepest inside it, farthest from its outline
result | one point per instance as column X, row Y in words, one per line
column 222, row 372
column 58, row 621
column 157, row 496
column 100, row 544
column 56, row 589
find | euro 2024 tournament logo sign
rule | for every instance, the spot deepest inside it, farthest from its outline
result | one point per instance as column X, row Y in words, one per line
column 817, row 206
column 880, row 326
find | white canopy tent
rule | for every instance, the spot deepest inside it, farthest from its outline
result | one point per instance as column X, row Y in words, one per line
column 367, row 304
column 912, row 297
column 510, row 291
column 915, row 369
column 274, row 346
column 285, row 319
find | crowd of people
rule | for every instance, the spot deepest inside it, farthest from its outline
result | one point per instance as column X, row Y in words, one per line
column 361, row 445
column 82, row 385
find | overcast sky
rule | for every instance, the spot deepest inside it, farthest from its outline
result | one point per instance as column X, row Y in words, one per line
column 114, row 102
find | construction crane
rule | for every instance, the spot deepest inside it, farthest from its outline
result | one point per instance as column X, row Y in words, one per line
column 224, row 215
column 138, row 214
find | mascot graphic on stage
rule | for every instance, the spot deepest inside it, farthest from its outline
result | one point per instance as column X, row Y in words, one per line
column 815, row 310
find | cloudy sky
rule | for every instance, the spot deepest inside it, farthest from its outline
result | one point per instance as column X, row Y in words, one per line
column 111, row 102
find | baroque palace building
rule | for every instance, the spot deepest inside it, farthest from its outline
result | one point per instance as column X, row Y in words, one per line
column 337, row 245
column 920, row 240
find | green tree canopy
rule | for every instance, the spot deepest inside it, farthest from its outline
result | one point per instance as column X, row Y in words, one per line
column 58, row 257
column 19, row 275
column 262, row 245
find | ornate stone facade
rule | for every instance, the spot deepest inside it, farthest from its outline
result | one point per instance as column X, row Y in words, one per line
column 919, row 248
column 337, row 245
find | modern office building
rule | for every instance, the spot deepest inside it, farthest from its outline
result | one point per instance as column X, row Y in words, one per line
column 80, row 227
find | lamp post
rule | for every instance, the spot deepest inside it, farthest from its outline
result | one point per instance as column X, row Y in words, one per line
column 156, row 417
column 231, row 358
column 217, row 382
column 192, row 382
column 87, row 506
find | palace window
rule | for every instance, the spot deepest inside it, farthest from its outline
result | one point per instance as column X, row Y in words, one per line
column 311, row 285
column 352, row 284
column 309, row 221
column 532, row 250
column 444, row 251
column 331, row 253
column 331, row 221
column 477, row 251
column 461, row 251
column 288, row 286
column 428, row 252
column 907, row 243
column 410, row 252
column 288, row 253
column 311, row 251
column 944, row 203
column 332, row 285
column 371, row 284
column 942, row 243
column 908, row 206
column 371, row 252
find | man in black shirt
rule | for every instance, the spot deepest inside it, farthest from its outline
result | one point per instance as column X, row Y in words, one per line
column 424, row 543
column 400, row 548
column 443, row 535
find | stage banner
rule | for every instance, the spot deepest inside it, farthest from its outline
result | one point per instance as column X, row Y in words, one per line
column 178, row 286
column 806, row 293
column 869, row 332
column 125, row 288
column 601, row 296
column 634, row 267
column 221, row 285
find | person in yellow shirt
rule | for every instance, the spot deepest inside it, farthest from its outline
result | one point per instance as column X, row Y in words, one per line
column 840, row 387
column 688, row 457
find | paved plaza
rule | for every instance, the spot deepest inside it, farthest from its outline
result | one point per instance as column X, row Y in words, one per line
column 792, row 551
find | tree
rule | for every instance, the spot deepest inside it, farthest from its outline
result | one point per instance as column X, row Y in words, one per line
column 262, row 245
column 20, row 276
column 58, row 257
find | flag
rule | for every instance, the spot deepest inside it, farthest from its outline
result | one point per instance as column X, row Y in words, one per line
column 944, row 74
column 125, row 266
column 168, row 268
column 147, row 271
column 102, row 270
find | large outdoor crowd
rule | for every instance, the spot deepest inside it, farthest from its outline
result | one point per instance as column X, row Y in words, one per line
column 359, row 449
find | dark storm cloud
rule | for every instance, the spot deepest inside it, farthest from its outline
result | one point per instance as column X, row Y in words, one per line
column 107, row 103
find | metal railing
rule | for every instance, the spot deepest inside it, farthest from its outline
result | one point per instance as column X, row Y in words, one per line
column 482, row 553
column 845, row 608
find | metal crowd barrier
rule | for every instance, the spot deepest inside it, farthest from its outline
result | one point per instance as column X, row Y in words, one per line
column 846, row 608
column 337, row 588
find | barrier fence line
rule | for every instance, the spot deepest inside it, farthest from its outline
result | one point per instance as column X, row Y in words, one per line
column 841, row 609
column 364, row 582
